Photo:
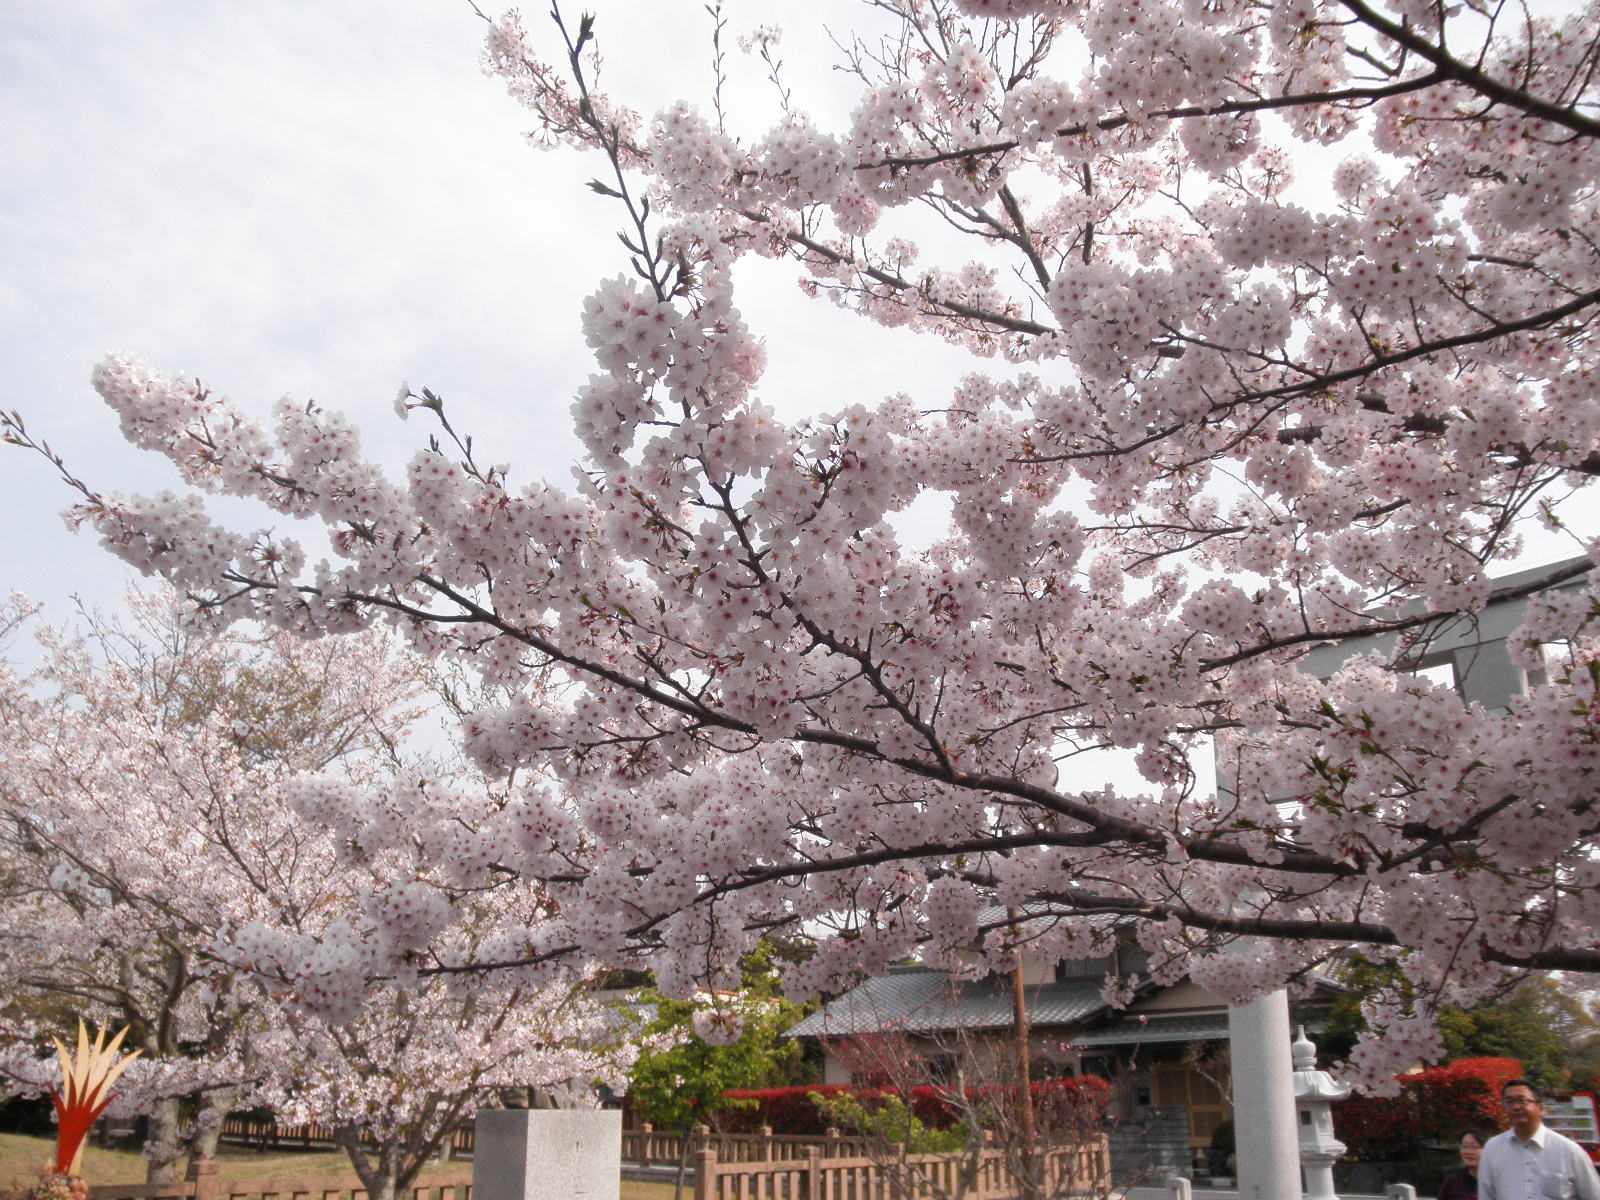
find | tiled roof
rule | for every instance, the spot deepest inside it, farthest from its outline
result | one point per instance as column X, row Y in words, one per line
column 930, row 1002
column 1130, row 1031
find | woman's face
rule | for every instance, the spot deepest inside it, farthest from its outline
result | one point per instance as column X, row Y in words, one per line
column 1471, row 1150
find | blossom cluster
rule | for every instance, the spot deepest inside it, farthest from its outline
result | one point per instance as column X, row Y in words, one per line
column 1238, row 416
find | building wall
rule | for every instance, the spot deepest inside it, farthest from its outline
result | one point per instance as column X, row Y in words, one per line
column 988, row 1055
column 833, row 1071
column 1180, row 996
column 1035, row 973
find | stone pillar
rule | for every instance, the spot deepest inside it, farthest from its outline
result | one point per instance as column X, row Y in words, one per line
column 547, row 1154
column 1265, row 1135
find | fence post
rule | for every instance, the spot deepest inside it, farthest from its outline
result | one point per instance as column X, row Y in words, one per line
column 1401, row 1191
column 833, row 1150
column 764, row 1132
column 813, row 1185
column 1179, row 1188
column 203, row 1174
column 705, row 1174
column 645, row 1131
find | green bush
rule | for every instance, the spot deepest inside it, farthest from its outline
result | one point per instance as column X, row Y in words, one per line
column 886, row 1118
column 1222, row 1148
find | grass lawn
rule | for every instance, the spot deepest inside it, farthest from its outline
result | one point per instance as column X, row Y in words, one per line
column 21, row 1157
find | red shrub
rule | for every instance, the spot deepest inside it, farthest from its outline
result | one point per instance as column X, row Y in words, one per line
column 784, row 1109
column 790, row 1110
column 1070, row 1104
column 1433, row 1106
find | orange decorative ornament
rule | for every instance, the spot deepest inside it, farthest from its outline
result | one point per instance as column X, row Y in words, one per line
column 85, row 1091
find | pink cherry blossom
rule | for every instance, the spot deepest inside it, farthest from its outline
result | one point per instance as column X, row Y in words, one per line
column 1216, row 417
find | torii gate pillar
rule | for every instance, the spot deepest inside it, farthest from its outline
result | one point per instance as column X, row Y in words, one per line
column 1266, row 1136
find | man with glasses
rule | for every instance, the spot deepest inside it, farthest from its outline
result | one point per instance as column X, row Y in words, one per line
column 1529, row 1161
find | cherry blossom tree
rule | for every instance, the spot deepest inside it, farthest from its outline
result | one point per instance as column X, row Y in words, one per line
column 1281, row 316
column 685, row 1080
column 134, row 813
column 159, row 875
column 421, row 1056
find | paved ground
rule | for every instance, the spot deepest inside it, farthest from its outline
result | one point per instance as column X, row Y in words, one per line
column 1211, row 1193
column 1201, row 1191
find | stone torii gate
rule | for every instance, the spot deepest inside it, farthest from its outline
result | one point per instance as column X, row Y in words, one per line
column 1473, row 651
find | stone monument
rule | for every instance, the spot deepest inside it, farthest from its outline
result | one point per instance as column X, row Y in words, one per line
column 547, row 1154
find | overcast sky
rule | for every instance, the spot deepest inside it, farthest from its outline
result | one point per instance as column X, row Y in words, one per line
column 319, row 198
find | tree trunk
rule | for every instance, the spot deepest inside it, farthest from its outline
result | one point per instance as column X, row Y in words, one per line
column 376, row 1170
column 161, row 1148
column 683, row 1162
column 214, row 1108
column 378, row 1167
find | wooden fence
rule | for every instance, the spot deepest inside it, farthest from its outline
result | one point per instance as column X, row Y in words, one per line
column 266, row 1135
column 645, row 1146
column 650, row 1147
column 205, row 1184
column 727, row 1166
column 1083, row 1169
column 1071, row 1170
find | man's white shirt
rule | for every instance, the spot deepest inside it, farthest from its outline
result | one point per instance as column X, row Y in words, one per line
column 1547, row 1166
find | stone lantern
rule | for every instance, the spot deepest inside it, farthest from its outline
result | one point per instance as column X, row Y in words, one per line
column 1314, row 1094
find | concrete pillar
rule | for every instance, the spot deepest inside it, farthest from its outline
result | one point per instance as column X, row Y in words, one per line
column 547, row 1154
column 1485, row 674
column 1266, row 1139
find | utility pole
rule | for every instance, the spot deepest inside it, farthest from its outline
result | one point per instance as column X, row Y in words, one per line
column 1031, row 1183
